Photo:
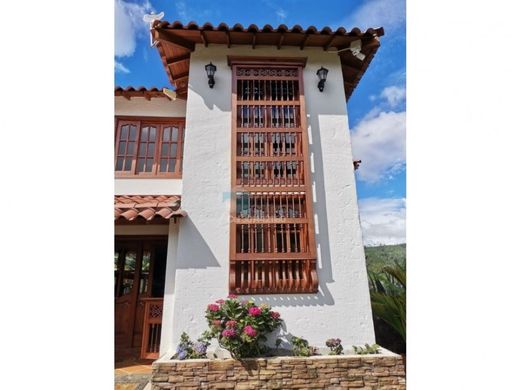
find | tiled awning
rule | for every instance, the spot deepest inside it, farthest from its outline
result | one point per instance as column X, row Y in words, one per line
column 147, row 207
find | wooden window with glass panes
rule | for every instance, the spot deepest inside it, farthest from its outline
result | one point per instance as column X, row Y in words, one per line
column 272, row 244
column 149, row 147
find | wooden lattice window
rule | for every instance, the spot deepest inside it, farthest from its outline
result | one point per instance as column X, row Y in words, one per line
column 148, row 147
column 272, row 248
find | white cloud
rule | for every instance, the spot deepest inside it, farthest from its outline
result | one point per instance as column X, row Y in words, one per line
column 375, row 13
column 120, row 68
column 379, row 140
column 393, row 95
column 182, row 11
column 383, row 220
column 129, row 26
column 281, row 14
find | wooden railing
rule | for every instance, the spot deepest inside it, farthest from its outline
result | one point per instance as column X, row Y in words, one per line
column 153, row 309
column 273, row 276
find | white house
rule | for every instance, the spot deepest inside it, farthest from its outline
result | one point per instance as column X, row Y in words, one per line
column 243, row 183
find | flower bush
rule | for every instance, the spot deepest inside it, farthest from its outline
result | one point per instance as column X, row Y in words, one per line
column 367, row 349
column 301, row 347
column 188, row 349
column 241, row 326
column 335, row 346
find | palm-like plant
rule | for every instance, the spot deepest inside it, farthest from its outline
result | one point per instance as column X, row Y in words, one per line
column 388, row 295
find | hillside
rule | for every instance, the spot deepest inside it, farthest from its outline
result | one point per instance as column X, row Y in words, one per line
column 379, row 256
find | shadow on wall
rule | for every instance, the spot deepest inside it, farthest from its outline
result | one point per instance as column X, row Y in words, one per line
column 200, row 255
column 320, row 209
column 296, row 300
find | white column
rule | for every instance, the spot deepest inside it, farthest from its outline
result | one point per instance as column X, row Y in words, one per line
column 169, row 288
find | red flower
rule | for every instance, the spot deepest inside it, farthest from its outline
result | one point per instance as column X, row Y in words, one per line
column 275, row 315
column 250, row 331
column 232, row 296
column 231, row 324
column 220, row 301
column 228, row 332
column 254, row 311
column 217, row 323
column 213, row 307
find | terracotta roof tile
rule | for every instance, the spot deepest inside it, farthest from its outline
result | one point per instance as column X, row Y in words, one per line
column 130, row 92
column 147, row 207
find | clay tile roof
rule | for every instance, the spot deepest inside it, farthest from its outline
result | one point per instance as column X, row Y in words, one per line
column 148, row 93
column 147, row 207
column 176, row 40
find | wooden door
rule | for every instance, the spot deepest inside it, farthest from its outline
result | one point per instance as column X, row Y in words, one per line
column 135, row 281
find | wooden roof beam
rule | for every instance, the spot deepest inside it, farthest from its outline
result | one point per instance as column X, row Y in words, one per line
column 304, row 41
column 204, row 38
column 348, row 68
column 329, row 43
column 280, row 41
column 180, row 76
column 228, row 37
column 176, row 60
column 253, row 44
column 174, row 40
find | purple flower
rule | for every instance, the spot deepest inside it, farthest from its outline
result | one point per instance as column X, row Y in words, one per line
column 200, row 347
column 229, row 332
column 331, row 343
column 250, row 331
column 182, row 355
column 254, row 311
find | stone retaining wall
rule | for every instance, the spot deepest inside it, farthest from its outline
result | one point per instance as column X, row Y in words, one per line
column 319, row 372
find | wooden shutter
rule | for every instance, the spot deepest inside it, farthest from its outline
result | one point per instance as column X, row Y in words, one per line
column 272, row 242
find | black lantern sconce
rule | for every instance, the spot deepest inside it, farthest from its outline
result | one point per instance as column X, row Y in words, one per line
column 322, row 75
column 210, row 70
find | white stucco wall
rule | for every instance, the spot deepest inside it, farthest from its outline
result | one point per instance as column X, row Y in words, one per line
column 342, row 306
column 148, row 186
column 138, row 106
column 169, row 289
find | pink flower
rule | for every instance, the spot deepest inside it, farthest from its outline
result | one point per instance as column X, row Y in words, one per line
column 255, row 311
column 232, row 296
column 220, row 301
column 229, row 332
column 250, row 331
column 275, row 315
column 213, row 307
column 231, row 324
column 217, row 323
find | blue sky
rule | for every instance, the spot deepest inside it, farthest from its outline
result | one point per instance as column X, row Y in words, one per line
column 377, row 108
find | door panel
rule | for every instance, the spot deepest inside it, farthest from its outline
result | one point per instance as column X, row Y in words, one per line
column 134, row 276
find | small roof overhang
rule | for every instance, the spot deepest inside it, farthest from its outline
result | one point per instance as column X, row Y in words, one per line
column 147, row 93
column 145, row 208
column 175, row 42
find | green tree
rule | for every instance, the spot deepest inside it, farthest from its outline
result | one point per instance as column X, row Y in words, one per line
column 388, row 296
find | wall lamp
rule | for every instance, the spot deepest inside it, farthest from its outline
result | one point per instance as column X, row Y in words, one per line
column 210, row 70
column 322, row 75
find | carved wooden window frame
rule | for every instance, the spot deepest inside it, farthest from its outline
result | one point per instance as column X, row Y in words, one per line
column 271, row 271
